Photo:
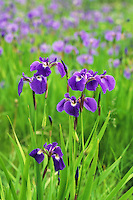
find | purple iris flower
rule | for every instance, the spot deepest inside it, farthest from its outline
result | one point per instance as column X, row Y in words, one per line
column 72, row 106
column 90, row 80
column 43, row 68
column 52, row 150
column 55, row 152
column 78, row 80
column 37, row 83
column 58, row 46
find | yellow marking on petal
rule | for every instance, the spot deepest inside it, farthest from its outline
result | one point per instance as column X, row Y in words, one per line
column 57, row 157
column 40, row 151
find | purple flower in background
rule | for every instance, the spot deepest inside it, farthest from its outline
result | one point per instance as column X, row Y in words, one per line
column 52, row 150
column 68, row 48
column 1, row 51
column 127, row 73
column 91, row 42
column 111, row 35
column 84, row 58
column 9, row 38
column 58, row 46
column 44, row 48
column 37, row 83
column 116, row 62
column 72, row 106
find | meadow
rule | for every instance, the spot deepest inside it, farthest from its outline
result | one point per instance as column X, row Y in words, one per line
column 66, row 92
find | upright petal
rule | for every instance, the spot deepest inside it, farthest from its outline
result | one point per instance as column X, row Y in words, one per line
column 58, row 151
column 20, row 86
column 109, row 81
column 61, row 69
column 90, row 104
column 34, row 65
column 101, row 83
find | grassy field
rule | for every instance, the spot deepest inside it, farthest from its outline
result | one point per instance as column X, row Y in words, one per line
column 29, row 31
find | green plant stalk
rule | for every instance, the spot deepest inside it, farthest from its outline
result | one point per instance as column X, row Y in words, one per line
column 39, row 193
column 82, row 131
column 71, row 159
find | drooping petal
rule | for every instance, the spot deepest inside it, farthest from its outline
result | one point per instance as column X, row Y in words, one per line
column 20, row 86
column 39, row 156
column 60, row 105
column 39, row 84
column 92, row 85
column 90, row 104
column 109, row 81
column 103, row 85
column 58, row 163
column 72, row 109
column 61, row 69
column 76, row 83
column 34, row 65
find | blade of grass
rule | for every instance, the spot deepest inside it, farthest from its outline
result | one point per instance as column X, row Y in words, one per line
column 127, row 195
column 89, row 182
column 9, row 180
column 63, row 173
column 24, row 180
column 101, row 133
column 2, row 191
column 18, row 143
column 119, row 185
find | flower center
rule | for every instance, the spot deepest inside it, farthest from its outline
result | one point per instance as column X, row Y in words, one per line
column 78, row 78
column 73, row 103
column 57, row 157
column 39, row 78
column 40, row 151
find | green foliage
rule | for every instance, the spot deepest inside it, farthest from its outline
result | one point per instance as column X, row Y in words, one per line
column 100, row 146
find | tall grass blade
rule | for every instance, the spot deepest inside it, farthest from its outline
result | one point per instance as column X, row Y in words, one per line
column 120, row 184
column 9, row 180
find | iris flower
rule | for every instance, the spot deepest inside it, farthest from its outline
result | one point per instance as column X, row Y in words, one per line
column 72, row 106
column 52, row 150
column 90, row 80
column 38, row 83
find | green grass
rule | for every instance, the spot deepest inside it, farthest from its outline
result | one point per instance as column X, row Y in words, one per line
column 109, row 151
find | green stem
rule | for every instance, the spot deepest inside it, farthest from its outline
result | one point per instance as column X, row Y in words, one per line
column 82, row 131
